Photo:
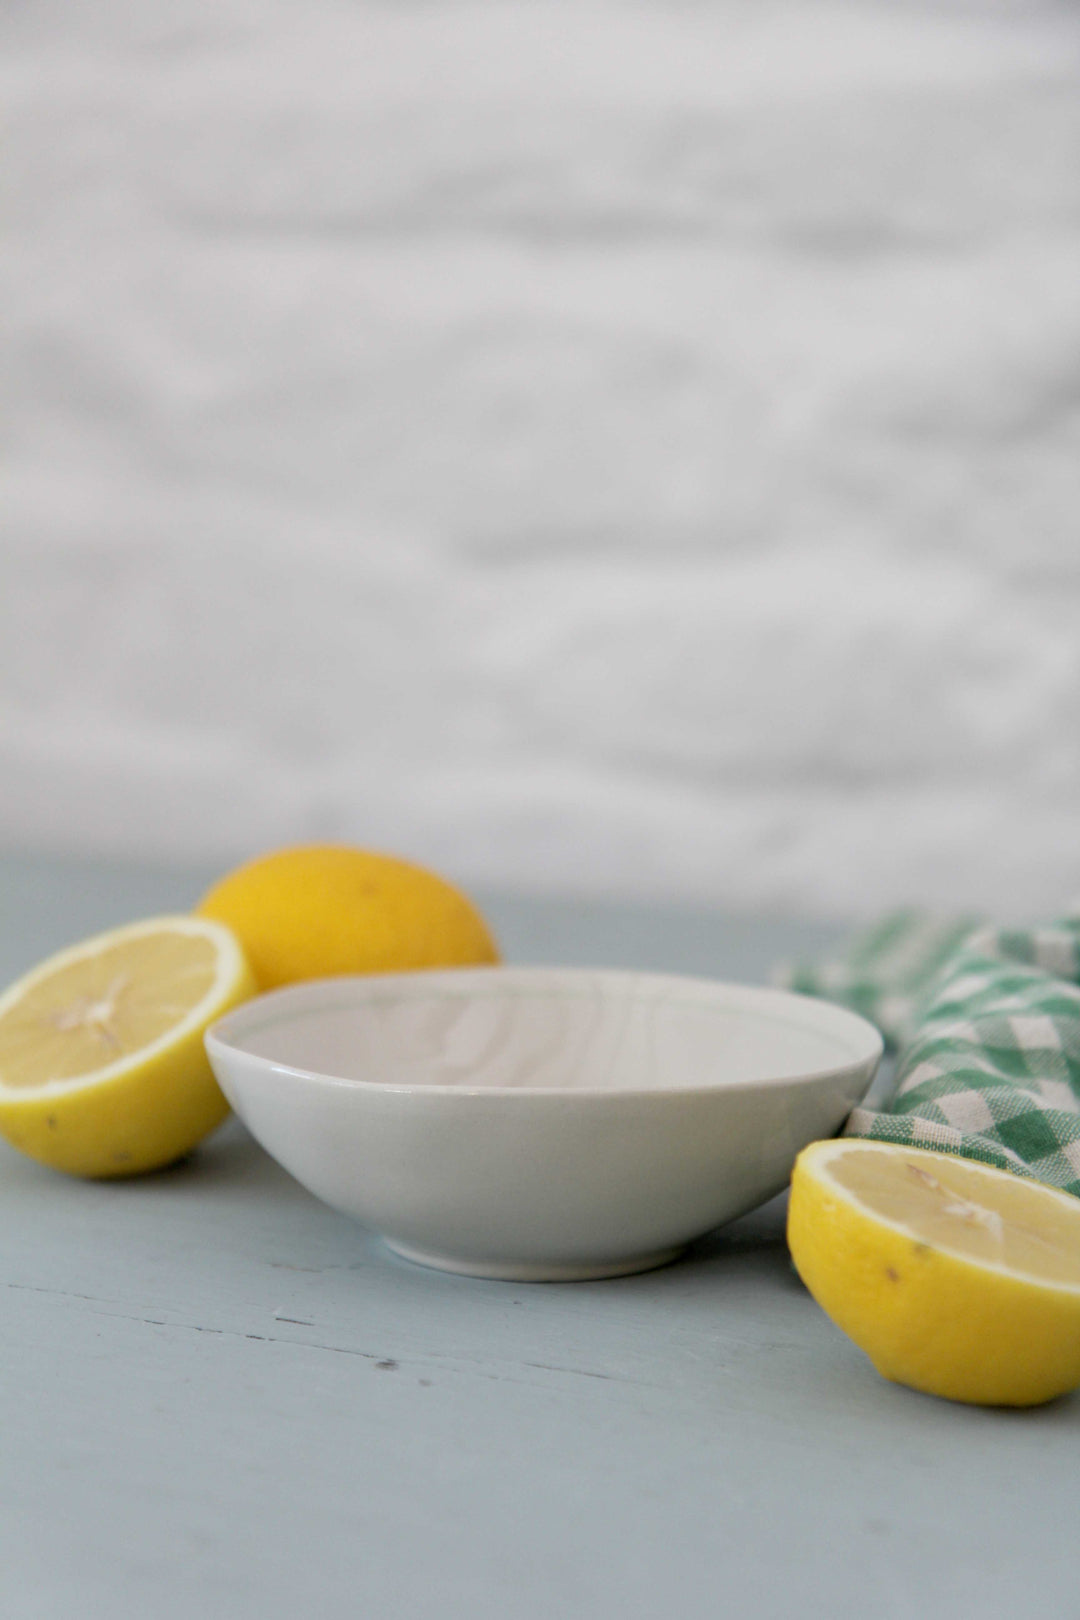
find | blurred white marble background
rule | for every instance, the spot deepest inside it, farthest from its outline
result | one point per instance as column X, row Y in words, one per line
column 608, row 446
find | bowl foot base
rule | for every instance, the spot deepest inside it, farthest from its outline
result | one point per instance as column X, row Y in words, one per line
column 538, row 1271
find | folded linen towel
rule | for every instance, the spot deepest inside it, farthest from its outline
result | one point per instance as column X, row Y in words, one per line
column 987, row 1023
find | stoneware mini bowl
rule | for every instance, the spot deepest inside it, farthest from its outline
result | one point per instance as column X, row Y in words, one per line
column 540, row 1123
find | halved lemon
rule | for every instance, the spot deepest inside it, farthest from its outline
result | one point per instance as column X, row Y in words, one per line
column 955, row 1278
column 102, row 1065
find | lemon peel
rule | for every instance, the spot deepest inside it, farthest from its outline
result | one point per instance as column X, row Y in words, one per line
column 321, row 910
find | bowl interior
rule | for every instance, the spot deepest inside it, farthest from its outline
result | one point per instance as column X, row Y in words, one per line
column 548, row 1029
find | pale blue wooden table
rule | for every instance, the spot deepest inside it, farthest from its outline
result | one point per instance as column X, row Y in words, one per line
column 221, row 1401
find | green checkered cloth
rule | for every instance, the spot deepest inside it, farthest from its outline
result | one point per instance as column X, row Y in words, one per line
column 986, row 1022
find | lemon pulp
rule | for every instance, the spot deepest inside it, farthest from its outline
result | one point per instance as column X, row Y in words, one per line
column 102, row 1067
column 1001, row 1221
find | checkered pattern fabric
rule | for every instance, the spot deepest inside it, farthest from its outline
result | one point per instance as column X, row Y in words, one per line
column 987, row 1022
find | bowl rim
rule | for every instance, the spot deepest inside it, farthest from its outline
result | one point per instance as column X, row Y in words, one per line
column 824, row 1017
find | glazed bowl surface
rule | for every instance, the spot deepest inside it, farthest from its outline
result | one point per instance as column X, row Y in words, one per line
column 540, row 1123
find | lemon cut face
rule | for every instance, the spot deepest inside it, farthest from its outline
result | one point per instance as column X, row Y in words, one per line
column 102, row 1066
column 956, row 1278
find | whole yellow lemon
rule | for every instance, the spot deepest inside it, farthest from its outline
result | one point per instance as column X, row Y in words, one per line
column 314, row 912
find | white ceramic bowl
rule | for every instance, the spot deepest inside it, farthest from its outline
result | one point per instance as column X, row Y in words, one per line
column 540, row 1123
